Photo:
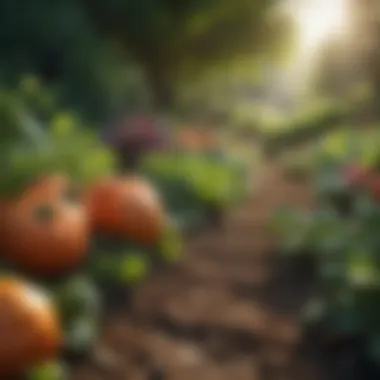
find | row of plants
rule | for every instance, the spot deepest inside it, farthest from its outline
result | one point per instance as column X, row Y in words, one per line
column 338, row 236
column 305, row 126
column 304, row 163
column 278, row 129
column 198, row 176
column 319, row 117
column 198, row 187
column 76, row 228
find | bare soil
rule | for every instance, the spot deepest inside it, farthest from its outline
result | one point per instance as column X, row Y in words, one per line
column 228, row 311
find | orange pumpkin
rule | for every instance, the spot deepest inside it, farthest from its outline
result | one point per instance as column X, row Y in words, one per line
column 29, row 327
column 126, row 207
column 47, row 229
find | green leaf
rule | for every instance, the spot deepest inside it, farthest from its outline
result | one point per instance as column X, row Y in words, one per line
column 76, row 297
column 133, row 268
column 30, row 85
column 81, row 334
column 362, row 270
column 48, row 371
column 170, row 245
column 63, row 125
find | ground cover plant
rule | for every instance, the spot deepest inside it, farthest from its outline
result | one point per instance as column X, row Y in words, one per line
column 339, row 235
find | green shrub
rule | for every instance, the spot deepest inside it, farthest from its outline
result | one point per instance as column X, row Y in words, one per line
column 305, row 126
column 192, row 183
column 345, row 252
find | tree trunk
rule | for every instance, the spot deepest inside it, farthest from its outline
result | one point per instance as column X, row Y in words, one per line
column 160, row 85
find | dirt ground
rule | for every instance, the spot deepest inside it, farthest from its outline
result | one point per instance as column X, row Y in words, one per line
column 227, row 311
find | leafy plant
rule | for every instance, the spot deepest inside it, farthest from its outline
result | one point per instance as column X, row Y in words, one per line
column 190, row 183
column 345, row 251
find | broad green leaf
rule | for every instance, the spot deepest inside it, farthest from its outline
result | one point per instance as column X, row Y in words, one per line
column 170, row 245
column 63, row 125
column 30, row 84
column 76, row 297
column 82, row 333
column 48, row 371
column 133, row 268
column 361, row 269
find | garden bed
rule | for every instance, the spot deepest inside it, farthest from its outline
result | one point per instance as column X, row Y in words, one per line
column 227, row 311
column 230, row 310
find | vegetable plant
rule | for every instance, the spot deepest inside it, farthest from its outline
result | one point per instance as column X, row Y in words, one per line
column 344, row 248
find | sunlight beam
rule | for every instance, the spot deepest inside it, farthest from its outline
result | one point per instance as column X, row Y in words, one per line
column 318, row 21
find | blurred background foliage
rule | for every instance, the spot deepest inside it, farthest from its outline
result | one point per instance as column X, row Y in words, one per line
column 101, row 57
column 243, row 63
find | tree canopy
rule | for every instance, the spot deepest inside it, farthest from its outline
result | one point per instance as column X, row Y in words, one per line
column 172, row 40
column 100, row 54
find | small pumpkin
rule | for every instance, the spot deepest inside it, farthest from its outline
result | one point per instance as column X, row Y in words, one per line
column 29, row 327
column 126, row 207
column 47, row 229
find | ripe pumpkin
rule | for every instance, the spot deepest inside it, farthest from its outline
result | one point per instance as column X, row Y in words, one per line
column 126, row 207
column 47, row 229
column 29, row 327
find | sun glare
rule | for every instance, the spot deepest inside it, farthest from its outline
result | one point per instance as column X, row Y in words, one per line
column 319, row 20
